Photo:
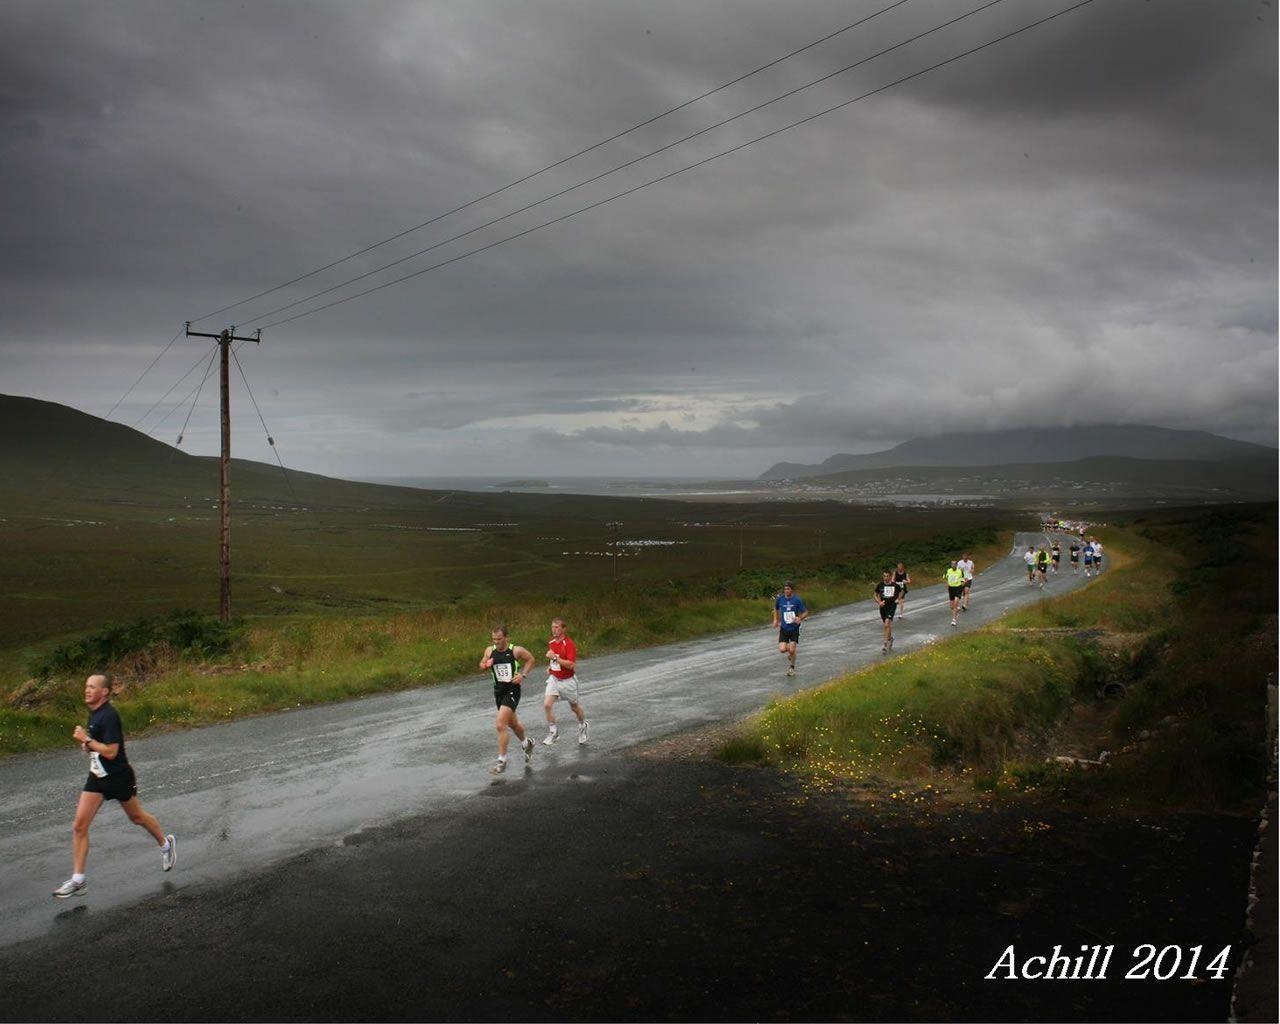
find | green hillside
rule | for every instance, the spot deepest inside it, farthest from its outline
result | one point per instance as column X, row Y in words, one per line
column 100, row 524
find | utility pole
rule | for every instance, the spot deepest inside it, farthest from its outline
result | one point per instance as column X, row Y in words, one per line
column 224, row 339
column 613, row 528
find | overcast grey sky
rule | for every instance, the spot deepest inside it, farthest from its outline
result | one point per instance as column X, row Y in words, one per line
column 1077, row 225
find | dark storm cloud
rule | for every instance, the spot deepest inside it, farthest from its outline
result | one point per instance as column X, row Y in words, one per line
column 1077, row 225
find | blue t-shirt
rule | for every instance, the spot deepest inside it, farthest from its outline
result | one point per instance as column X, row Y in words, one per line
column 789, row 611
column 105, row 727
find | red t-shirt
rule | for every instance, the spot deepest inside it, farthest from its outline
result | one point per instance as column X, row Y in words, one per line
column 562, row 648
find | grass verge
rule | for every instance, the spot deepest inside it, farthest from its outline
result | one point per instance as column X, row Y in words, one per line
column 1182, row 624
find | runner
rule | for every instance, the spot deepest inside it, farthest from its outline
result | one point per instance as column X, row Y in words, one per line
column 1042, row 565
column 1088, row 558
column 1055, row 555
column 111, row 777
column 500, row 659
column 562, row 681
column 788, row 612
column 965, row 565
column 903, row 579
column 1030, row 558
column 1097, row 555
column 886, row 594
column 1073, row 553
column 955, row 590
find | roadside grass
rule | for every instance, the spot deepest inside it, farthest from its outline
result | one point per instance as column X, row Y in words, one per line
column 963, row 703
column 273, row 664
column 1190, row 597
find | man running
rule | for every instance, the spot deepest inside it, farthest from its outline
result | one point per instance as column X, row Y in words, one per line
column 1042, row 565
column 1029, row 556
column 965, row 565
column 886, row 594
column 562, row 681
column 788, row 612
column 1055, row 555
column 111, row 777
column 1097, row 555
column 1088, row 558
column 955, row 590
column 1073, row 554
column 500, row 659
column 903, row 580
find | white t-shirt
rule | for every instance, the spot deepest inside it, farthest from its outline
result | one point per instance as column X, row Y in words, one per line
column 966, row 564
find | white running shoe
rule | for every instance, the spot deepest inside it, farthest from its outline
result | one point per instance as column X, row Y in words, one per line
column 528, row 750
column 552, row 736
column 791, row 670
column 169, row 857
column 498, row 767
column 582, row 732
column 71, row 888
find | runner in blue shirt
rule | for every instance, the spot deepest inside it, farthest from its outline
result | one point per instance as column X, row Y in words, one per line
column 788, row 612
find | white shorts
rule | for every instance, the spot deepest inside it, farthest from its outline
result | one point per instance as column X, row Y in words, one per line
column 566, row 688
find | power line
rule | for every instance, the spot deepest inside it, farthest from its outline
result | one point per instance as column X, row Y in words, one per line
column 626, row 164
column 196, row 391
column 167, row 394
column 551, row 166
column 271, row 441
column 143, row 374
column 689, row 167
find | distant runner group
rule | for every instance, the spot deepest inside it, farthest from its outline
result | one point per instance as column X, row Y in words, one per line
column 890, row 593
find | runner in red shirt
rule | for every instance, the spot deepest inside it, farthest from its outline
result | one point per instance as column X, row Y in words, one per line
column 562, row 681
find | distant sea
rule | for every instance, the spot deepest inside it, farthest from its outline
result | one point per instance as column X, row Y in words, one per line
column 618, row 487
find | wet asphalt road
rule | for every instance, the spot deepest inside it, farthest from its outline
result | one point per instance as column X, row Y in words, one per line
column 247, row 794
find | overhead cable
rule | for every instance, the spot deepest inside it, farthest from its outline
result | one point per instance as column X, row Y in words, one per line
column 551, row 166
column 664, row 177
column 143, row 374
column 623, row 166
column 271, row 441
column 169, row 392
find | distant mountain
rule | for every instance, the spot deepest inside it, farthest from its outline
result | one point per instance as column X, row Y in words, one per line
column 1020, row 447
column 1110, row 476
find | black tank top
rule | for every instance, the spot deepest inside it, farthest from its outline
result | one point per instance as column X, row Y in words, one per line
column 504, row 666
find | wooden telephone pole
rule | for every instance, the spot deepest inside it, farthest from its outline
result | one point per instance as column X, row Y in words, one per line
column 224, row 340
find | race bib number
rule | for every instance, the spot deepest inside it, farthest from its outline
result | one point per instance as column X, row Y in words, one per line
column 504, row 672
column 789, row 617
column 555, row 664
column 889, row 591
column 95, row 766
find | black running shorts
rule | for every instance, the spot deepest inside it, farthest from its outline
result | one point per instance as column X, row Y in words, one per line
column 506, row 695
column 887, row 611
column 789, row 635
column 120, row 786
